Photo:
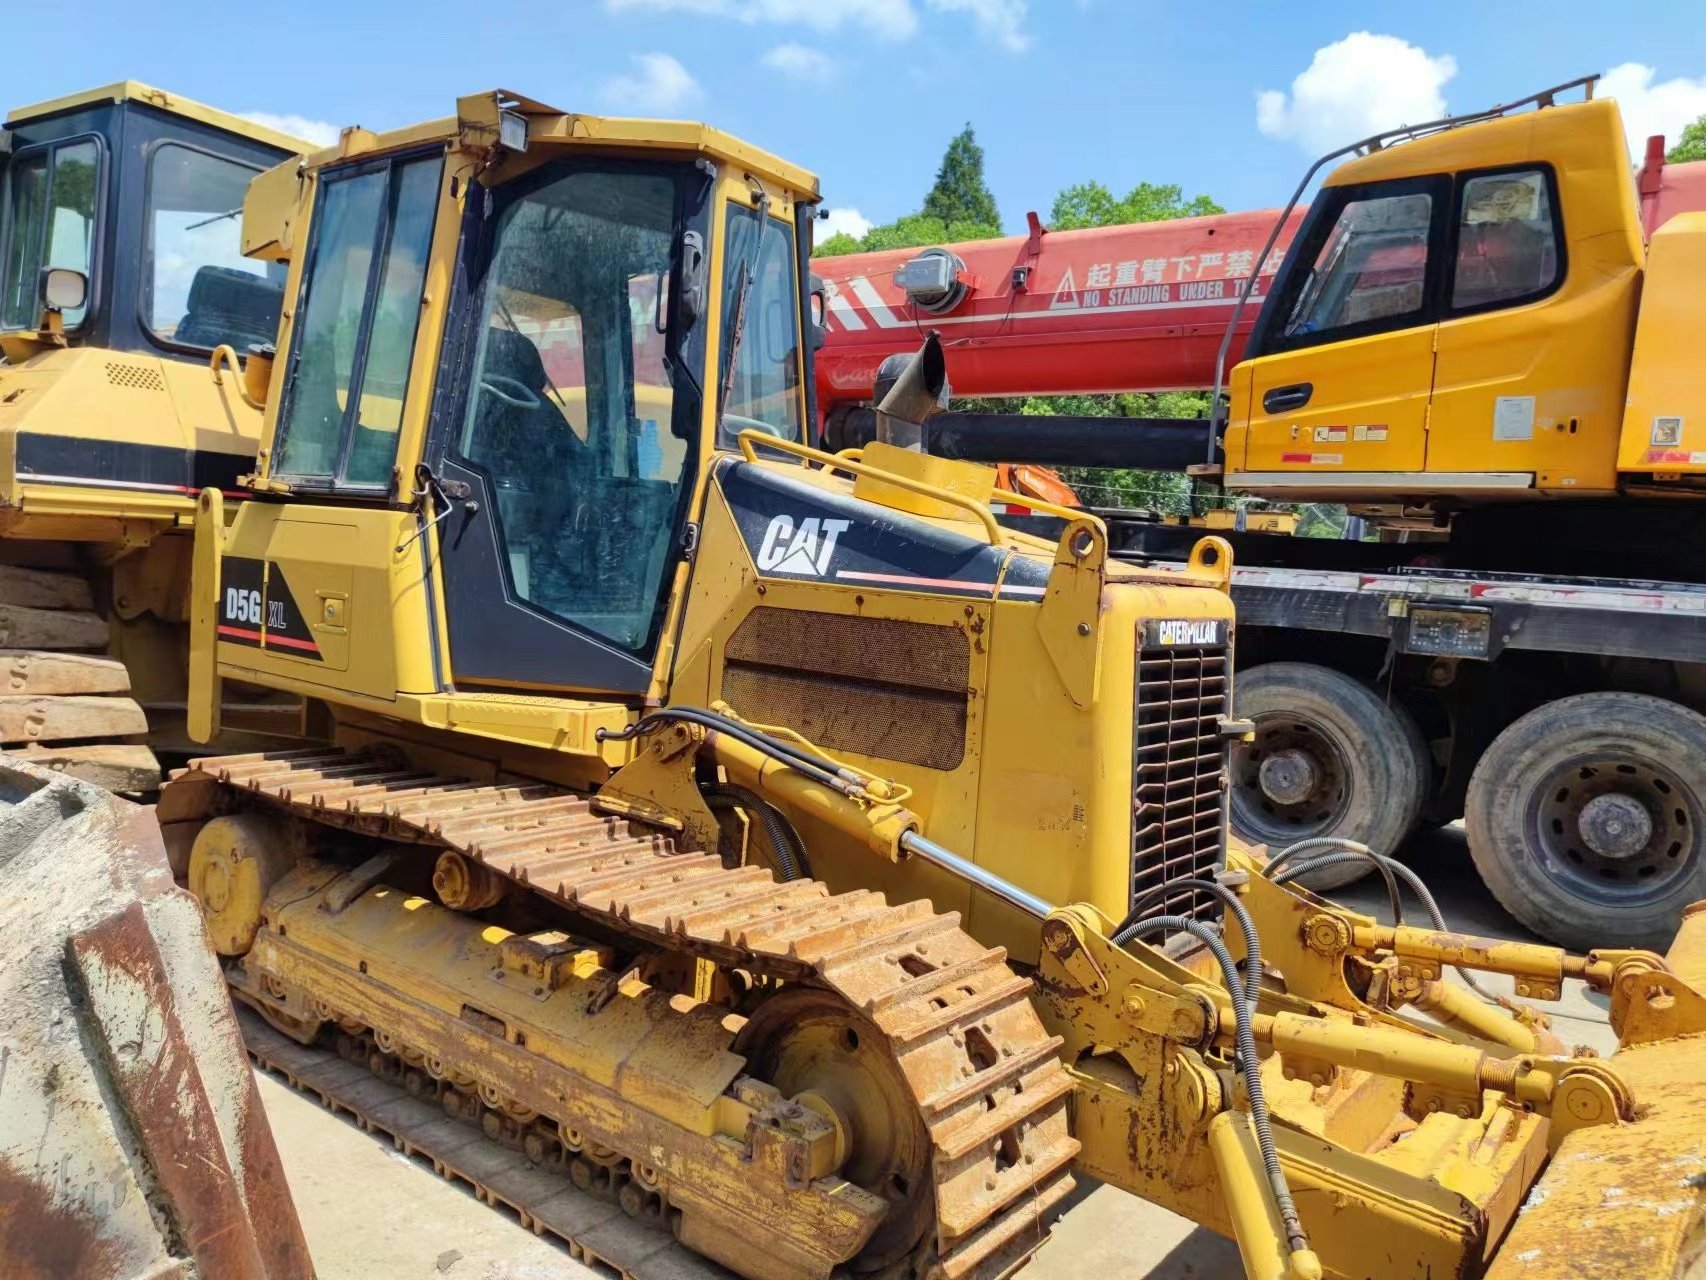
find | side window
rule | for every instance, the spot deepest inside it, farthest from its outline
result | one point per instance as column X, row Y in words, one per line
column 1371, row 268
column 764, row 379
column 356, row 336
column 52, row 197
column 198, row 290
column 1507, row 240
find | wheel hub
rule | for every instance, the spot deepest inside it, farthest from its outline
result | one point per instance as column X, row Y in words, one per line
column 1615, row 825
column 1289, row 776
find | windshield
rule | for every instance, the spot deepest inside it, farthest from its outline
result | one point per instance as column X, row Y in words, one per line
column 198, row 289
column 48, row 221
column 578, row 411
column 764, row 385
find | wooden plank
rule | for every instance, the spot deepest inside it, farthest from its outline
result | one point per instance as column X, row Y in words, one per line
column 25, row 628
column 113, row 766
column 41, row 589
column 32, row 719
column 39, row 671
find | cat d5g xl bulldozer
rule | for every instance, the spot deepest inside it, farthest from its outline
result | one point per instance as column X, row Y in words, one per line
column 767, row 837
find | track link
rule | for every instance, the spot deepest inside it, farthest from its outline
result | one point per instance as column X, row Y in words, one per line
column 986, row 1078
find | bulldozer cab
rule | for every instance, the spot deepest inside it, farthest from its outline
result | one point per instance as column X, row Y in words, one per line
column 138, row 193
column 534, row 329
column 1454, row 317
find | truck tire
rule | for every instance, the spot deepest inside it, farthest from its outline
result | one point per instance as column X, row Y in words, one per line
column 1587, row 818
column 1330, row 758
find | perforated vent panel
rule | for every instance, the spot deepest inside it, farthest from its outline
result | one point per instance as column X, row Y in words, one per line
column 1178, row 773
column 138, row 377
column 881, row 687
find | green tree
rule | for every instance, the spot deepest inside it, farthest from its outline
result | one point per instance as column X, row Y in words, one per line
column 960, row 193
column 1692, row 144
column 1090, row 204
column 911, row 232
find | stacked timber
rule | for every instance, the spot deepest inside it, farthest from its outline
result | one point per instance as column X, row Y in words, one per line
column 64, row 704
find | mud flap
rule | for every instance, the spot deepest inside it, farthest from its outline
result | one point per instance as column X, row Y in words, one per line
column 132, row 1141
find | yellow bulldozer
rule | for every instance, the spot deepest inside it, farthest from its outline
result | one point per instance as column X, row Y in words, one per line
column 766, row 839
column 121, row 276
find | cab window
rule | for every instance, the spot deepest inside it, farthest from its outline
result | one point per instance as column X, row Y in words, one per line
column 198, row 290
column 52, row 196
column 1370, row 272
column 356, row 336
column 1507, row 240
column 761, row 352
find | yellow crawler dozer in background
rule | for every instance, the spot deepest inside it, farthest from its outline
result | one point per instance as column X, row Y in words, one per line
column 766, row 837
column 121, row 274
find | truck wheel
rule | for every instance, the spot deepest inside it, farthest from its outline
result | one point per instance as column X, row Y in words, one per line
column 1587, row 818
column 1330, row 758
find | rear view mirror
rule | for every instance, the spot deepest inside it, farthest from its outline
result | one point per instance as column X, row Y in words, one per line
column 817, row 314
column 63, row 289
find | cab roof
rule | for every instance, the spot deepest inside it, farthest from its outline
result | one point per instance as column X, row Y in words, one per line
column 477, row 116
column 135, row 91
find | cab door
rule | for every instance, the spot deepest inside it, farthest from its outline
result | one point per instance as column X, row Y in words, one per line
column 1343, row 354
column 565, row 446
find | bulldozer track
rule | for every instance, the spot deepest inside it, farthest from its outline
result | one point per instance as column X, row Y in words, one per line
column 986, row 1077
column 595, row 1229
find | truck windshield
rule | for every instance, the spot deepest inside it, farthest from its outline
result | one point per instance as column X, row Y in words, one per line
column 48, row 220
column 198, row 290
column 576, row 411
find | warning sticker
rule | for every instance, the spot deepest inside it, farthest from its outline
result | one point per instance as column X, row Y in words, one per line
column 1372, row 431
column 1329, row 435
column 1513, row 418
column 1667, row 431
column 1314, row 459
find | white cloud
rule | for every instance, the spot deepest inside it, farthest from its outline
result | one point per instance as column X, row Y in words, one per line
column 318, row 132
column 1648, row 108
column 1361, row 85
column 801, row 63
column 890, row 19
column 1002, row 21
column 835, row 221
column 658, row 86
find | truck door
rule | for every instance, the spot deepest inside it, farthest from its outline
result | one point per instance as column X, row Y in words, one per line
column 566, row 445
column 1342, row 361
column 1533, row 340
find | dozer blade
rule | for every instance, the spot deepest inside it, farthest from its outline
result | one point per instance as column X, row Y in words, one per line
column 1629, row 1200
column 132, row 1141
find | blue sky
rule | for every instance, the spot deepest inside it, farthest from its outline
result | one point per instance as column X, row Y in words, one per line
column 1229, row 99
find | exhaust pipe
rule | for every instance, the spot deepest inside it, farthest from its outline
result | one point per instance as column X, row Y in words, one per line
column 908, row 390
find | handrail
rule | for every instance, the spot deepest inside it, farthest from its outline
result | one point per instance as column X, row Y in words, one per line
column 834, row 462
column 225, row 353
column 1050, row 508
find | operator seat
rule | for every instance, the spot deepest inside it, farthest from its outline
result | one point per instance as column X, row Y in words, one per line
column 230, row 305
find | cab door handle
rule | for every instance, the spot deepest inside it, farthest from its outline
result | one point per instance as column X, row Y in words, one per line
column 1285, row 399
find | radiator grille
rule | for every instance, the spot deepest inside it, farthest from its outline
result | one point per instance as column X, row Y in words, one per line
column 1178, row 774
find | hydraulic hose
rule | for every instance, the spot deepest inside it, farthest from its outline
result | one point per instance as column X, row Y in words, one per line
column 1248, row 1063
column 1349, row 847
column 784, row 840
column 1128, row 928
column 813, row 766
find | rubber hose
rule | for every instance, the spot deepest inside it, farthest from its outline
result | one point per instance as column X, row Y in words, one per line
column 783, row 839
column 815, row 767
column 1347, row 846
column 1252, row 944
column 1249, row 1066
